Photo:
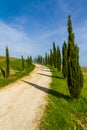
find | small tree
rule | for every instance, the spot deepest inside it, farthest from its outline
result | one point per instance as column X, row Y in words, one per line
column 51, row 58
column 22, row 62
column 7, row 63
column 27, row 60
column 30, row 60
column 64, row 60
column 46, row 60
column 74, row 73
column 54, row 55
column 3, row 72
column 58, row 59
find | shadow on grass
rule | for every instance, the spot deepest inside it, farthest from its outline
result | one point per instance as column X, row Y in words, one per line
column 49, row 91
column 58, row 77
column 19, row 69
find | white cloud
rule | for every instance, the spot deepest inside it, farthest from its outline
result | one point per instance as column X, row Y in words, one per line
column 59, row 31
column 17, row 41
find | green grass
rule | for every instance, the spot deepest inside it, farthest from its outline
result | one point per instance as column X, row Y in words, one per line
column 62, row 112
column 15, row 70
column 84, row 69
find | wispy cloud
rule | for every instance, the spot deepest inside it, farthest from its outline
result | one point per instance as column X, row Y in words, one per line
column 17, row 41
column 50, row 33
column 20, row 43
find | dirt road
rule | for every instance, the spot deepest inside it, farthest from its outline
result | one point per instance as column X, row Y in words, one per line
column 22, row 103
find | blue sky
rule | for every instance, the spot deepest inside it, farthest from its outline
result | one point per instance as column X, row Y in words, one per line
column 29, row 27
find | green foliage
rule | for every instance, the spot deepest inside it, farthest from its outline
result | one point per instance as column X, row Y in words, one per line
column 58, row 59
column 22, row 62
column 54, row 55
column 27, row 60
column 64, row 60
column 15, row 70
column 54, row 58
column 39, row 59
column 30, row 61
column 62, row 112
column 74, row 75
column 46, row 59
column 7, row 63
column 51, row 58
column 3, row 72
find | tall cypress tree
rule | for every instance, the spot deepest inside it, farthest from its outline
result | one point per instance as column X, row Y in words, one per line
column 27, row 60
column 54, row 55
column 58, row 59
column 74, row 73
column 51, row 58
column 30, row 60
column 22, row 62
column 46, row 59
column 7, row 63
column 64, row 60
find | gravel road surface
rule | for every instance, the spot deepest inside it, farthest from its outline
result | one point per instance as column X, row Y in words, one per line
column 22, row 103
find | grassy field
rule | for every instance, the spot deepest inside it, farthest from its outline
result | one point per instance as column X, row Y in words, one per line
column 15, row 70
column 84, row 69
column 62, row 112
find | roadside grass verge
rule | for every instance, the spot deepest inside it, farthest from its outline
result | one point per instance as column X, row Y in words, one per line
column 84, row 69
column 62, row 112
column 15, row 70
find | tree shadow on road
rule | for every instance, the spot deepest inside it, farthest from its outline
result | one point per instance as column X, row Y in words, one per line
column 47, row 70
column 58, row 77
column 49, row 91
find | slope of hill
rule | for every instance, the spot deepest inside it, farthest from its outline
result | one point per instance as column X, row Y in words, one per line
column 15, row 70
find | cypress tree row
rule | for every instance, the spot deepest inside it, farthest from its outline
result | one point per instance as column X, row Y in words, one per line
column 58, row 59
column 28, row 60
column 7, row 63
column 54, row 58
column 74, row 73
column 64, row 60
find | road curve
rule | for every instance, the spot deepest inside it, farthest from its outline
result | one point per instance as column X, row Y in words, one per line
column 22, row 103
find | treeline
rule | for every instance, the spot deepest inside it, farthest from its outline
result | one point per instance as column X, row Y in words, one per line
column 69, row 63
column 54, row 57
column 6, row 71
column 39, row 59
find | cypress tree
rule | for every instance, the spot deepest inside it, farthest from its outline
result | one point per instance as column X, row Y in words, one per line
column 3, row 71
column 74, row 73
column 58, row 59
column 39, row 59
column 7, row 63
column 22, row 62
column 54, row 55
column 30, row 60
column 64, row 60
column 46, row 58
column 51, row 58
column 27, row 60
